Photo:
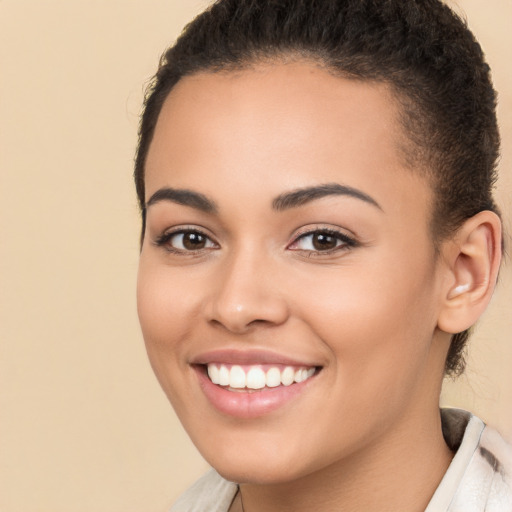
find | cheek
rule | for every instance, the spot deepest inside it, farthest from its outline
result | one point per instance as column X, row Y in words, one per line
column 162, row 301
column 377, row 324
column 165, row 308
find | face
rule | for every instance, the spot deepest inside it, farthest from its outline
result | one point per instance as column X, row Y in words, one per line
column 287, row 254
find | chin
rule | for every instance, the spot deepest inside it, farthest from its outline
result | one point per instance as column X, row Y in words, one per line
column 247, row 472
column 260, row 461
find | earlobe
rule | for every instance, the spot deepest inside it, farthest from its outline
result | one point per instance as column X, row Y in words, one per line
column 473, row 258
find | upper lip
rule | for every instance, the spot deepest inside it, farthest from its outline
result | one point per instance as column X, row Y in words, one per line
column 248, row 357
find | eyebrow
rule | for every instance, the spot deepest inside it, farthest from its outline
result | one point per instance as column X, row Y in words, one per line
column 184, row 197
column 282, row 202
column 302, row 196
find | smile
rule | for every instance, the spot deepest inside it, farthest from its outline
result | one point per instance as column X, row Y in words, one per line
column 253, row 383
column 255, row 377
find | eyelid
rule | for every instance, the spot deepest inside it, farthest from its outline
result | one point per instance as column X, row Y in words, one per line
column 162, row 239
column 348, row 241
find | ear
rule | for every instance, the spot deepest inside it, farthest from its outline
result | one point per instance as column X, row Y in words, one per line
column 472, row 261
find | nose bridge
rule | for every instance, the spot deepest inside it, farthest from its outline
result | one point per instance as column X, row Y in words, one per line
column 246, row 292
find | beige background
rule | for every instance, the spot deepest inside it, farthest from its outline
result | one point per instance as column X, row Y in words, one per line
column 83, row 424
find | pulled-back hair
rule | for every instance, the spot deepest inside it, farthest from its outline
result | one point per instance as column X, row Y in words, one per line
column 420, row 48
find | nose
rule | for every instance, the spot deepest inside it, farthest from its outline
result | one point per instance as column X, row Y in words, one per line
column 246, row 292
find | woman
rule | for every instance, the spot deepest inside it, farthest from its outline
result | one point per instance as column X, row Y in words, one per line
column 319, row 234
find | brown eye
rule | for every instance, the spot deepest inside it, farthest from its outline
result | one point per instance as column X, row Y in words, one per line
column 193, row 241
column 323, row 241
column 186, row 241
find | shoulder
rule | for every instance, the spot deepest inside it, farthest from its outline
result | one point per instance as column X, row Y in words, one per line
column 211, row 493
column 491, row 473
column 480, row 475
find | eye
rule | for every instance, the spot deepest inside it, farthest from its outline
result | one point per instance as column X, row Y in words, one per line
column 324, row 240
column 185, row 240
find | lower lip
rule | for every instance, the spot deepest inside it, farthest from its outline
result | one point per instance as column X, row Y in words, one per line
column 249, row 404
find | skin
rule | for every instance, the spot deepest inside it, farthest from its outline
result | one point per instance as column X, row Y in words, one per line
column 366, row 314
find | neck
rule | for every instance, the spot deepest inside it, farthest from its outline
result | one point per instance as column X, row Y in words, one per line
column 400, row 471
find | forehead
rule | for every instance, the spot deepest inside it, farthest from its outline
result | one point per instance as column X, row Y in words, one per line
column 283, row 125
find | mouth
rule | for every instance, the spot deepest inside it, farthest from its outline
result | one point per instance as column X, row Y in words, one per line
column 252, row 384
column 251, row 378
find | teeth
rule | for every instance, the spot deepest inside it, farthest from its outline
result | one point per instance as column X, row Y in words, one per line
column 223, row 376
column 287, row 376
column 237, row 378
column 273, row 378
column 256, row 378
column 304, row 374
column 214, row 373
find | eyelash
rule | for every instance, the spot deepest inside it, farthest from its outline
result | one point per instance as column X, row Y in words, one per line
column 165, row 239
column 345, row 242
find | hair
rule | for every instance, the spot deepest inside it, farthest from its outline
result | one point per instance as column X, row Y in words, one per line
column 420, row 48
